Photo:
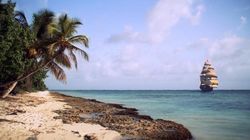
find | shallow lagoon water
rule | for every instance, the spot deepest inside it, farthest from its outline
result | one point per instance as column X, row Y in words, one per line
column 223, row 115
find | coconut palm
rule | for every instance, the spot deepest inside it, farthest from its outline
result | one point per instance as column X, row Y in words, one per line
column 63, row 49
column 54, row 47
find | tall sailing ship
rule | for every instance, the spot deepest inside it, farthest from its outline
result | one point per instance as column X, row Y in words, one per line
column 208, row 78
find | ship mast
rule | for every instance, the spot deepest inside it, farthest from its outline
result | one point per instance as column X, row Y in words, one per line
column 208, row 77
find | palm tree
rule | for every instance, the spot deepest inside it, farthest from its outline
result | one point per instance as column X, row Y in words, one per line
column 54, row 47
column 63, row 49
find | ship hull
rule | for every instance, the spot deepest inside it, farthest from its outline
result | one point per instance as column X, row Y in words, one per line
column 206, row 88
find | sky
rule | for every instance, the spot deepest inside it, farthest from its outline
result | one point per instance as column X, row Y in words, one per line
column 155, row 44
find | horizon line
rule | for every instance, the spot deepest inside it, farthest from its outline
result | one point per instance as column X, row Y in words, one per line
column 148, row 89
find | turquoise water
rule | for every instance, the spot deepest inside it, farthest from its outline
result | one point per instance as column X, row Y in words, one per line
column 224, row 115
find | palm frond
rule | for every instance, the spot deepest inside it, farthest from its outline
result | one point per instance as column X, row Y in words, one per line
column 53, row 30
column 76, row 49
column 63, row 60
column 62, row 20
column 73, row 58
column 79, row 39
column 68, row 25
column 52, row 48
column 57, row 71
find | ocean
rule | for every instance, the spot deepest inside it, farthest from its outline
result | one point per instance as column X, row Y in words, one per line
column 222, row 115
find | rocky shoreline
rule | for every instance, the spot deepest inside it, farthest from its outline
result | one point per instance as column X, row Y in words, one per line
column 51, row 115
column 127, row 121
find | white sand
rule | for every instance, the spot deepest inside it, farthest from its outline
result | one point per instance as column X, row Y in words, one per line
column 38, row 123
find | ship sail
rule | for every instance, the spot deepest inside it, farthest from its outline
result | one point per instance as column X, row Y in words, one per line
column 208, row 78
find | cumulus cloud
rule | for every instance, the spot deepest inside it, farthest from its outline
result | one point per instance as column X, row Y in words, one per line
column 227, row 47
column 224, row 49
column 127, row 63
column 161, row 19
column 167, row 13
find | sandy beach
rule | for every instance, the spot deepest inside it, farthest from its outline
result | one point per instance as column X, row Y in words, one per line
column 46, row 115
column 33, row 119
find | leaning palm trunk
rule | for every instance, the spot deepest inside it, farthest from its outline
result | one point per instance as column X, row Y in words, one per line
column 9, row 86
column 7, row 91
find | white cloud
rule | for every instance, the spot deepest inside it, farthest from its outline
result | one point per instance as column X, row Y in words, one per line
column 161, row 19
column 226, row 47
column 129, row 62
column 126, row 63
column 167, row 13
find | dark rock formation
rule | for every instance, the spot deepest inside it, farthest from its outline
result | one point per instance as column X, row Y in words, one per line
column 126, row 121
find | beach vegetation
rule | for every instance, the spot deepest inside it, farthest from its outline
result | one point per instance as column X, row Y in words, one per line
column 30, row 51
column 14, row 43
